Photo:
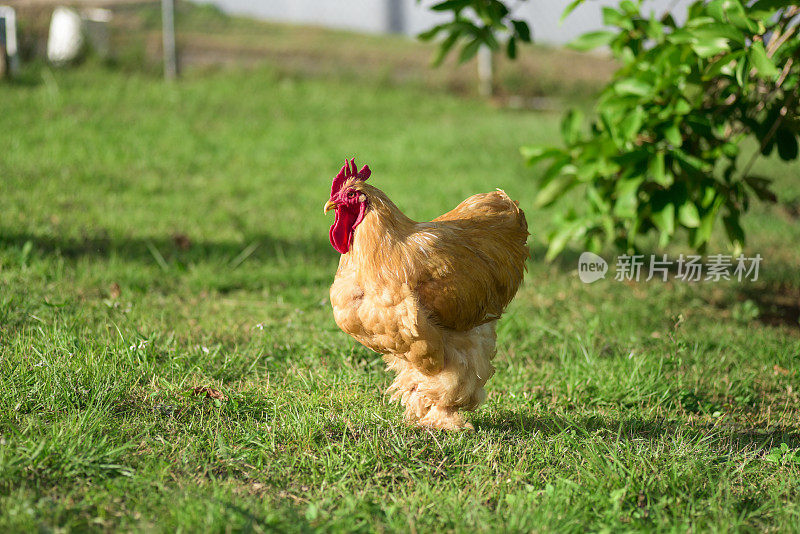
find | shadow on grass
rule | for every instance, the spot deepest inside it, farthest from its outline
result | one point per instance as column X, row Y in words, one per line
column 778, row 305
column 774, row 303
column 173, row 250
column 776, row 293
column 566, row 261
column 256, row 522
column 635, row 428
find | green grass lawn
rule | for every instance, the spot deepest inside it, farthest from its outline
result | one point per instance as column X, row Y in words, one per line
column 158, row 238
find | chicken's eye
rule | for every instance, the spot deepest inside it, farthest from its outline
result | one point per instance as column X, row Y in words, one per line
column 351, row 194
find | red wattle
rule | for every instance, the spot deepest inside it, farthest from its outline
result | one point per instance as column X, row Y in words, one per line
column 341, row 233
column 347, row 218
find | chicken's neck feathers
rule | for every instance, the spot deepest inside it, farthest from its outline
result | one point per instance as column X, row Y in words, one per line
column 382, row 248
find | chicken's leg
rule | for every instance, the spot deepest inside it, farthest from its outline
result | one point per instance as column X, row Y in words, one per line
column 434, row 400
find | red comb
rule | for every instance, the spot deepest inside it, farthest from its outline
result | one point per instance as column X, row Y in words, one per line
column 349, row 170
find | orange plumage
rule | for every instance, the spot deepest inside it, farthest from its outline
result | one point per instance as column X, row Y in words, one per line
column 426, row 295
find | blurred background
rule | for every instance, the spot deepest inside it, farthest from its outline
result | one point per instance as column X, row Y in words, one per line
column 302, row 35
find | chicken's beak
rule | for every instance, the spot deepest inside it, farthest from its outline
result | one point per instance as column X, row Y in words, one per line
column 329, row 205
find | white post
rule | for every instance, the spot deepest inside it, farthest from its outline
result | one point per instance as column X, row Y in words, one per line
column 168, row 35
column 395, row 16
column 485, row 71
column 10, row 15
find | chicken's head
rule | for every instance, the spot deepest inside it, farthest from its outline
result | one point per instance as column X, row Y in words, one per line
column 350, row 204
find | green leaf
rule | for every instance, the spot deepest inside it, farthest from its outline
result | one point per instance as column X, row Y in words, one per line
column 681, row 36
column 673, row 134
column 731, row 150
column 741, row 69
column 612, row 17
column 703, row 232
column 570, row 8
column 682, row 107
column 497, row 11
column 533, row 154
column 469, row 50
column 709, row 197
column 571, row 126
column 710, row 47
column 633, row 86
column 550, row 193
column 688, row 215
column 655, row 30
column 664, row 218
column 562, row 236
column 740, row 20
column 716, row 30
column 724, row 65
column 511, row 48
column 733, row 229
column 716, row 10
column 560, row 166
column 631, row 123
column 591, row 40
column 763, row 64
column 691, row 163
column 599, row 201
column 430, row 34
column 445, row 47
column 768, row 5
column 629, row 7
column 489, row 39
column 608, row 118
column 451, row 5
column 522, row 30
column 627, row 197
column 659, row 171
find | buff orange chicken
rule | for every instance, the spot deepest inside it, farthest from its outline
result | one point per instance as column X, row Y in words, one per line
column 426, row 295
